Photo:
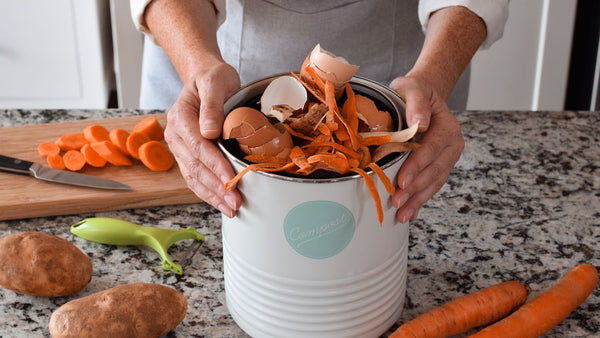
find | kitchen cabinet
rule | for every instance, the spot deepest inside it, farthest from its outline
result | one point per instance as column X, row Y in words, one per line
column 55, row 54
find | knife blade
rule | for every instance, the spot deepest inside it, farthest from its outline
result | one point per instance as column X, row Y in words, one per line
column 18, row 166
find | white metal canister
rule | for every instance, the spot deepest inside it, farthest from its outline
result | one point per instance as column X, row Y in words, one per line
column 307, row 257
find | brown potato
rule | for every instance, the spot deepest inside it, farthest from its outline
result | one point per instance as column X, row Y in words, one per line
column 131, row 310
column 41, row 264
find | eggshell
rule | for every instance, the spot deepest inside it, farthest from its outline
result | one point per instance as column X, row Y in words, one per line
column 243, row 121
column 284, row 90
column 279, row 146
column 376, row 119
column 260, row 136
column 330, row 67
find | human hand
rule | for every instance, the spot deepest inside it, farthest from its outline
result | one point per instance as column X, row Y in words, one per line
column 426, row 169
column 193, row 122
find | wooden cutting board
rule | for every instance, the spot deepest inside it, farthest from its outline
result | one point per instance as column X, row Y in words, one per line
column 24, row 197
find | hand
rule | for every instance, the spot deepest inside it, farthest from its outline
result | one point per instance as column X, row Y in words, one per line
column 193, row 123
column 426, row 169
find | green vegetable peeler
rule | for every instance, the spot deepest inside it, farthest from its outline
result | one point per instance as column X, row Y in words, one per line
column 114, row 231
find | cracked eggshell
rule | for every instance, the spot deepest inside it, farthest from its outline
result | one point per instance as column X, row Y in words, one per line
column 243, row 121
column 284, row 90
column 376, row 119
column 255, row 134
column 330, row 67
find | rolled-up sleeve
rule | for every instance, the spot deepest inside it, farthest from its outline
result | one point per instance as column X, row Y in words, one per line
column 138, row 7
column 494, row 14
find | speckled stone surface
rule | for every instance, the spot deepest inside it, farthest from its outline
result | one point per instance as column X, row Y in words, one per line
column 522, row 203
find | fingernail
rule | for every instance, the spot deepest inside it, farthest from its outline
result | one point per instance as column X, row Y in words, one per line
column 422, row 119
column 407, row 215
column 407, row 181
column 209, row 125
column 231, row 201
column 403, row 198
column 225, row 210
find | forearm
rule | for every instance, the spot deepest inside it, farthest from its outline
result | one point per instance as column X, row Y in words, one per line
column 453, row 36
column 186, row 30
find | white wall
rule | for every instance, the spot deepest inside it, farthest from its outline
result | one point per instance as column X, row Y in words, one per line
column 528, row 68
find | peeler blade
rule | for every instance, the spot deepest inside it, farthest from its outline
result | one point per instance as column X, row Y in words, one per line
column 190, row 253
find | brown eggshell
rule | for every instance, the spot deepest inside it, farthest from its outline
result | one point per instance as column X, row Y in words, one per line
column 330, row 67
column 376, row 119
column 279, row 146
column 130, row 310
column 260, row 136
column 243, row 121
column 41, row 264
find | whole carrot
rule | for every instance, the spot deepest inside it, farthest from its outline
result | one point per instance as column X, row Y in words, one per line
column 547, row 309
column 469, row 311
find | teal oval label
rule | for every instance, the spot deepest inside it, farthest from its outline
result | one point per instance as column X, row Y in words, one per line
column 319, row 229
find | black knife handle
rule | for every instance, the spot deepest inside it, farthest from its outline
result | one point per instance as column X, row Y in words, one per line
column 14, row 165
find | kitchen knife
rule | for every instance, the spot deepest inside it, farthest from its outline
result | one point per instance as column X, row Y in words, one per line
column 15, row 165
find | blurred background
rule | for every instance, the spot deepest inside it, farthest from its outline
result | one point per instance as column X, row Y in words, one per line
column 87, row 54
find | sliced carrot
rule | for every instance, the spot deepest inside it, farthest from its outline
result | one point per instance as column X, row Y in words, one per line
column 151, row 127
column 316, row 78
column 333, row 162
column 95, row 133
column 111, row 153
column 91, row 157
column 297, row 134
column 374, row 193
column 71, row 141
column 119, row 137
column 383, row 177
column 549, row 308
column 479, row 308
column 134, row 142
column 48, row 148
column 375, row 140
column 55, row 161
column 74, row 160
column 156, row 156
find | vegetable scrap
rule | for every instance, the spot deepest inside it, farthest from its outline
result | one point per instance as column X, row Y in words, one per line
column 96, row 146
column 325, row 133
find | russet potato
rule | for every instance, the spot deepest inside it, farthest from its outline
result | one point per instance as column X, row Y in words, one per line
column 41, row 264
column 130, row 310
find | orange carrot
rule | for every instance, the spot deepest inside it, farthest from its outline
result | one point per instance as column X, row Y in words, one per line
column 375, row 140
column 383, row 177
column 55, row 161
column 316, row 78
column 48, row 148
column 151, row 127
column 74, row 160
column 479, row 308
column 119, row 137
column 134, row 142
column 549, row 308
column 91, row 157
column 111, row 153
column 71, row 141
column 374, row 193
column 95, row 133
column 156, row 156
column 256, row 167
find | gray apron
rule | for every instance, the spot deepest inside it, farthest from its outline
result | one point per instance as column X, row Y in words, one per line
column 265, row 37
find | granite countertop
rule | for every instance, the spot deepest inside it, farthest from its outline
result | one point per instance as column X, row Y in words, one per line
column 522, row 203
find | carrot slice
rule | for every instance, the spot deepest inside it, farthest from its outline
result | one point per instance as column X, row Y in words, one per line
column 151, row 127
column 111, row 153
column 119, row 137
column 315, row 77
column 74, row 160
column 91, row 157
column 156, row 156
column 479, row 308
column 95, row 133
column 383, row 177
column 134, row 142
column 55, row 161
column 71, row 141
column 48, row 148
column 547, row 309
column 371, row 185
